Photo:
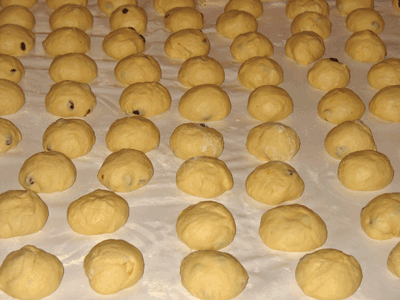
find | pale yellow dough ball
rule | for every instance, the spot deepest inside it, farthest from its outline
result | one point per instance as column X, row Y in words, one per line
column 312, row 21
column 393, row 261
column 296, row 7
column 10, row 135
column 108, row 6
column 12, row 97
column 129, row 15
column 162, row 6
column 180, row 18
column 16, row 40
column 396, row 5
column 187, row 43
column 385, row 73
column 235, row 22
column 365, row 19
column 251, row 44
column 305, row 47
column 71, row 15
column 74, row 67
column 258, row 71
column 328, row 74
column 25, row 3
column 11, row 68
column 365, row 46
column 66, row 40
column 123, row 42
column 347, row 6
column 19, row 15
column 386, row 104
column 54, row 4
column 254, row 7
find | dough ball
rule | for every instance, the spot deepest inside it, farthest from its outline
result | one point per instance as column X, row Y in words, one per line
column 115, row 262
column 380, row 218
column 396, row 5
column 365, row 46
column 235, row 22
column 25, row 3
column 347, row 6
column 71, row 137
column 205, row 103
column 180, row 18
column 55, row 4
column 200, row 70
column 98, row 212
column 10, row 136
column 125, row 171
column 328, row 274
column 258, row 71
column 393, row 262
column 71, row 15
column 16, row 40
column 296, row 7
column 18, row 15
column 365, row 170
column 162, row 6
column 340, row 105
column 137, row 68
column 134, row 132
column 273, row 141
column 189, row 140
column 274, row 182
column 200, row 270
column 30, row 273
column 108, row 6
column 21, row 213
column 204, row 176
column 292, row 228
column 129, row 15
column 74, row 67
column 187, row 43
column 11, row 68
column 386, row 104
column 365, row 19
column 312, row 21
column 68, row 99
column 145, row 99
column 207, row 225
column 305, row 47
column 250, row 44
column 123, row 42
column 66, row 40
column 385, row 73
column 348, row 137
column 12, row 97
column 254, row 7
column 328, row 74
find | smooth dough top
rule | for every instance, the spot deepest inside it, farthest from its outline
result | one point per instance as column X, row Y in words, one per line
column 187, row 43
column 19, row 15
column 385, row 104
column 16, row 40
column 12, row 97
column 162, row 6
column 66, row 40
column 365, row 19
column 73, row 66
column 393, row 262
column 347, row 6
column 108, row 6
column 312, row 21
column 129, row 15
column 305, row 47
column 54, row 4
column 365, row 46
column 328, row 74
column 384, row 73
column 26, row 3
column 253, row 7
column 71, row 15
column 234, row 22
column 123, row 42
column 296, row 7
column 180, row 18
column 251, row 44
column 11, row 68
column 10, row 135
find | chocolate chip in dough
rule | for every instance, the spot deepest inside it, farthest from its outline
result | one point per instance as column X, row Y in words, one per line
column 23, row 47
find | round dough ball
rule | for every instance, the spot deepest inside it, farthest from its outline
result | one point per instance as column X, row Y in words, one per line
column 340, row 105
column 207, row 225
column 312, row 21
column 25, row 3
column 12, row 97
column 125, row 171
column 71, row 15
column 187, row 43
column 162, row 6
column 396, row 5
column 201, row 269
column 66, row 40
column 189, row 140
column 380, row 219
column 115, row 262
column 137, row 68
column 108, row 6
column 305, row 47
column 328, row 274
column 11, row 68
column 365, row 19
column 205, row 103
column 21, row 213
column 10, row 135
column 71, row 137
column 30, row 273
column 98, row 212
column 365, row 46
column 393, row 262
column 55, row 4
column 365, row 170
column 347, row 6
column 123, row 42
column 235, row 22
column 258, row 71
column 250, row 44
column 385, row 73
column 133, row 132
column 74, row 67
column 328, row 74
column 129, row 15
column 145, row 99
column 292, row 228
column 386, row 104
column 348, row 137
column 204, row 176
column 274, row 182
column 254, row 7
column 273, row 141
column 19, row 15
column 68, row 99
column 296, row 7
column 269, row 103
column 16, row 40
column 180, row 18
column 200, row 70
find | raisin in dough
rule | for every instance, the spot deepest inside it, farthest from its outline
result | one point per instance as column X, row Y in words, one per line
column 123, row 42
column 305, row 47
column 25, row 3
column 251, row 44
column 393, row 261
column 21, row 212
column 11, row 68
column 54, row 4
column 180, row 18
column 10, row 135
column 296, row 7
column 71, row 15
column 365, row 46
column 234, row 22
column 162, row 6
column 254, row 7
column 98, row 212
column 187, row 43
column 108, row 6
column 384, row 73
column 19, row 15
column 347, row 6
column 328, row 74
column 129, row 16
column 12, row 97
column 365, row 19
column 312, row 21
column 66, row 40
column 16, row 40
column 258, row 71
column 386, row 104
column 74, row 67
column 207, row 225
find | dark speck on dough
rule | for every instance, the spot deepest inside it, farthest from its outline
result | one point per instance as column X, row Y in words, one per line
column 125, row 10
column 144, row 40
column 13, row 71
column 166, row 16
column 88, row 112
column 142, row 181
column 371, row 222
column 71, row 104
column 23, row 47
column 334, row 59
column 202, row 16
column 48, row 148
column 203, row 125
column 136, row 112
column 132, row 28
column 205, row 41
column 9, row 141
column 398, row 3
column 30, row 180
column 290, row 172
column 102, row 176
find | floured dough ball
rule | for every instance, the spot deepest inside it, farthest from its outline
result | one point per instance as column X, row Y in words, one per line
column 296, row 7
column 71, row 15
column 47, row 172
column 205, row 103
column 365, row 170
column 21, row 213
column 254, row 7
column 365, row 19
column 328, row 274
column 385, row 73
column 396, row 5
column 235, row 22
column 98, row 212
column 251, row 44
column 305, row 47
column 133, row 132
column 180, row 18
column 10, row 135
column 108, row 6
column 162, row 6
column 145, row 99
column 200, row 70
column 55, row 4
column 74, row 67
column 348, row 137
column 30, row 273
column 123, row 42
column 393, row 262
column 137, row 68
column 273, row 141
column 19, row 15
column 68, row 99
column 340, row 105
column 204, row 176
column 115, row 262
column 312, row 21
column 347, row 6
column 16, row 40
column 12, row 97
column 207, row 225
column 125, row 171
column 200, row 271
column 365, row 46
column 189, row 140
column 328, row 74
column 11, row 68
column 129, row 16
column 386, row 104
column 72, row 137
column 25, row 3
column 258, row 71
column 66, row 40
column 187, row 43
